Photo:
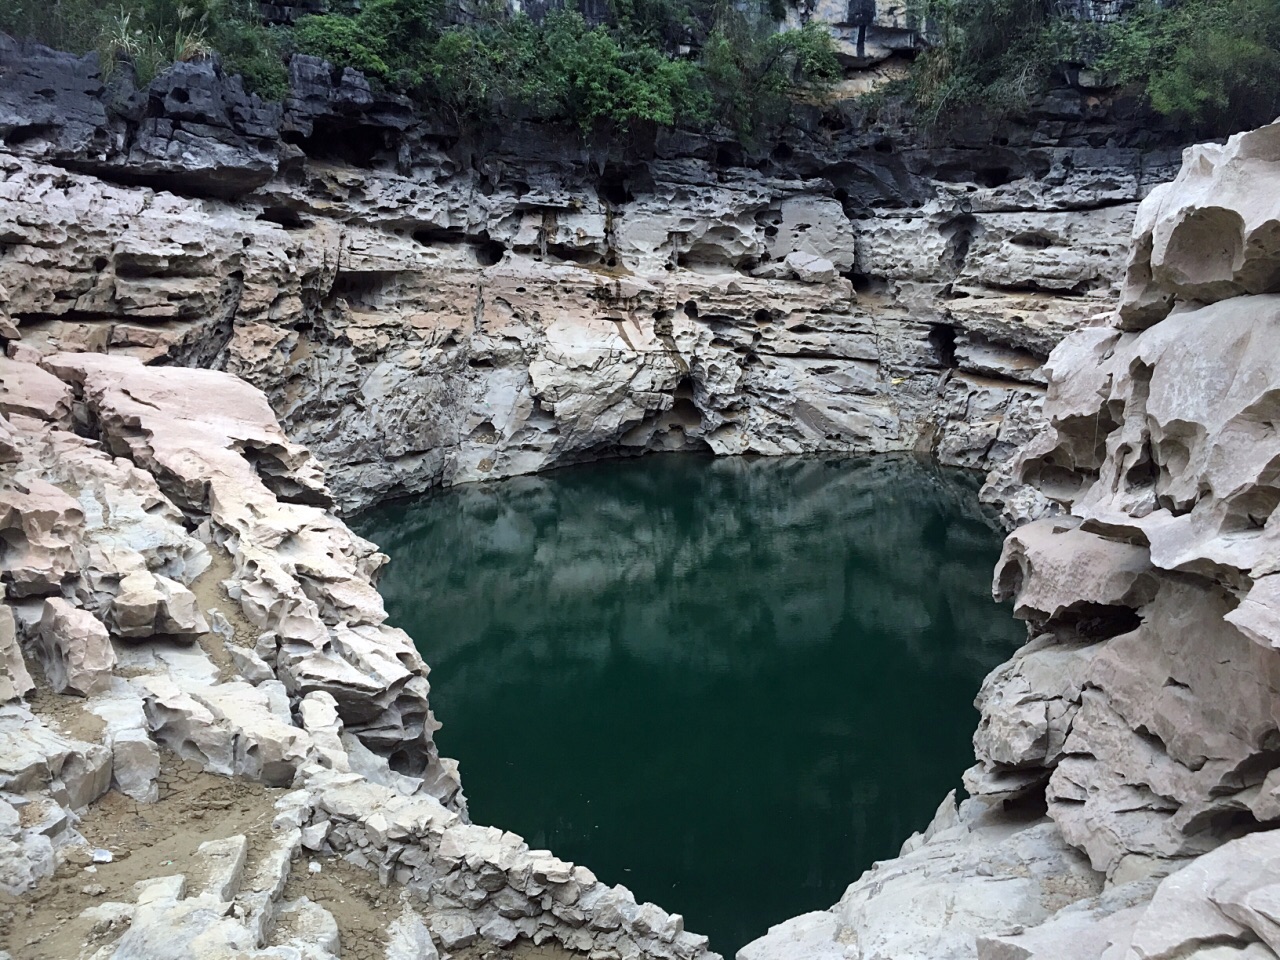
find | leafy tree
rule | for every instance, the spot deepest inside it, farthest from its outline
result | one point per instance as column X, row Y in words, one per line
column 1214, row 64
column 563, row 69
column 754, row 71
column 655, row 62
column 987, row 56
column 341, row 40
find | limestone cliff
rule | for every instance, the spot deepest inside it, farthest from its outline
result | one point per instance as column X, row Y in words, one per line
column 412, row 306
column 424, row 308
column 1126, row 783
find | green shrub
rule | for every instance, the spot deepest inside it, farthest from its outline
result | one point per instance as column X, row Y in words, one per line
column 152, row 34
column 563, row 69
column 988, row 56
column 1213, row 64
column 341, row 40
column 754, row 72
column 658, row 62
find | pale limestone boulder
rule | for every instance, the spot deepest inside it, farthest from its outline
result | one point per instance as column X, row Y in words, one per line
column 810, row 935
column 1209, row 235
column 922, row 245
column 34, row 757
column 816, row 226
column 229, row 728
column 1097, row 928
column 42, row 526
column 148, row 603
column 227, row 904
column 809, row 268
column 972, row 874
column 1162, row 742
column 1076, row 251
column 1258, row 616
column 1052, row 569
column 1031, row 322
column 28, row 391
column 249, row 665
column 186, row 726
column 1027, row 706
column 1215, row 900
column 74, row 648
column 15, row 680
column 135, row 758
column 9, row 452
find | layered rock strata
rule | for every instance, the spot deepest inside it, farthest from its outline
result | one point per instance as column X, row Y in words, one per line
column 180, row 580
column 1126, row 785
column 419, row 308
column 422, row 309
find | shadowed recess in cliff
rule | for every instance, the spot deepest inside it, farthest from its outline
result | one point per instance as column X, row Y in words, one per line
column 729, row 684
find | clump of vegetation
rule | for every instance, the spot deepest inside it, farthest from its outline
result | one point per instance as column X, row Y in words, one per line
column 987, row 56
column 657, row 61
column 661, row 62
column 564, row 69
column 151, row 34
column 1213, row 65
column 755, row 74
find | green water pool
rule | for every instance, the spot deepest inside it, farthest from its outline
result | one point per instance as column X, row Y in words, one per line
column 728, row 684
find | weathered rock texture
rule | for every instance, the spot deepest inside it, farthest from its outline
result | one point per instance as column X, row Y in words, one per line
column 414, row 307
column 1139, row 727
column 422, row 309
column 280, row 670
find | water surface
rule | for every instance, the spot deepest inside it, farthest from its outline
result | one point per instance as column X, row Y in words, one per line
column 729, row 684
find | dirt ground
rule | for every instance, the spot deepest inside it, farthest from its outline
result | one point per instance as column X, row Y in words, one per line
column 210, row 596
column 145, row 840
column 160, row 839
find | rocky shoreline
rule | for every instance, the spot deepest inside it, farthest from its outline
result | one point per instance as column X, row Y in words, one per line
column 1125, row 785
column 203, row 298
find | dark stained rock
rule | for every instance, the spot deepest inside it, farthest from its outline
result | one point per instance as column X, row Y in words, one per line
column 50, row 102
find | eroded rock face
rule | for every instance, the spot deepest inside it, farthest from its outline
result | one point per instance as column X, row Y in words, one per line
column 1143, row 713
column 293, row 680
column 421, row 311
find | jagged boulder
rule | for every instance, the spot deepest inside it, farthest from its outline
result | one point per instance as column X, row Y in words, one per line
column 75, row 649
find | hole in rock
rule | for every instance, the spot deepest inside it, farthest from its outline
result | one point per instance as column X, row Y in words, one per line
column 730, row 684
column 613, row 186
column 1098, row 621
column 289, row 219
column 363, row 288
column 942, row 341
column 727, row 156
column 1033, row 241
column 489, row 252
column 562, row 251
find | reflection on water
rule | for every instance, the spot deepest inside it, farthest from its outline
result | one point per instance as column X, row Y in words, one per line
column 729, row 684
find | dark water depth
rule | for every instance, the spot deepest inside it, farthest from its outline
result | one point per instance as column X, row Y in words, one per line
column 728, row 684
